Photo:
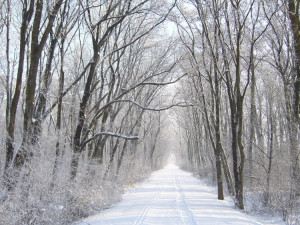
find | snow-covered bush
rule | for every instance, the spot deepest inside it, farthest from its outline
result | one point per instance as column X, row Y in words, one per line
column 42, row 197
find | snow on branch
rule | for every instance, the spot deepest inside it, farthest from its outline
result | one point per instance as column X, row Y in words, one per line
column 143, row 83
column 118, row 135
column 109, row 134
column 152, row 109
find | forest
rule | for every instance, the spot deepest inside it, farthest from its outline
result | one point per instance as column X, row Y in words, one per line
column 96, row 94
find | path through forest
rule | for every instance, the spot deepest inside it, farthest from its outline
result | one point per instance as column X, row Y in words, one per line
column 172, row 196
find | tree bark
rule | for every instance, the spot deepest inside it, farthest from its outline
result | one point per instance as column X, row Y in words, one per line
column 270, row 155
column 26, row 18
column 293, row 14
column 36, row 51
column 41, row 101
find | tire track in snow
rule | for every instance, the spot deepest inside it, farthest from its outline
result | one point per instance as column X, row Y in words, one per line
column 186, row 215
column 142, row 216
column 172, row 197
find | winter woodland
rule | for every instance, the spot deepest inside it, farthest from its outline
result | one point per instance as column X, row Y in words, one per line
column 96, row 94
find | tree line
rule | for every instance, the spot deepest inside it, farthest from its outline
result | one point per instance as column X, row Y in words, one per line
column 79, row 82
column 245, row 92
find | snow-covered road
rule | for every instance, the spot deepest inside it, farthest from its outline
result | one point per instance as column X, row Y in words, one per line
column 171, row 196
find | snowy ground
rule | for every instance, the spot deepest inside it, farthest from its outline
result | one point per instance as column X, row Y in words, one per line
column 172, row 196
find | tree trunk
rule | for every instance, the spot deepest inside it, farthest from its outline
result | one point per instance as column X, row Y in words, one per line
column 41, row 101
column 8, row 76
column 227, row 174
column 253, row 123
column 59, row 107
column 26, row 17
column 293, row 14
column 270, row 157
column 36, row 51
column 81, row 115
column 218, row 144
column 23, row 154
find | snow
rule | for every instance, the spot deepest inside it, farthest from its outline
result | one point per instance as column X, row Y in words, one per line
column 172, row 196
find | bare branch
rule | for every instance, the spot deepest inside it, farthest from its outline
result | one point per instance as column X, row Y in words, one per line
column 153, row 109
column 109, row 134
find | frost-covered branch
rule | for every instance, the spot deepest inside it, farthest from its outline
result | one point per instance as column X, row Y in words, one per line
column 109, row 134
column 152, row 109
column 67, row 90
